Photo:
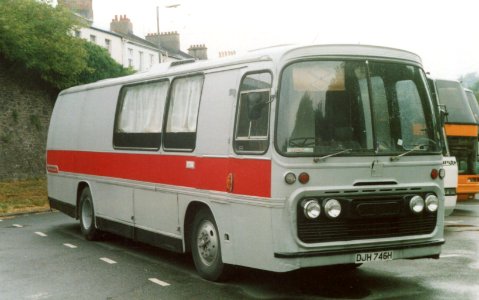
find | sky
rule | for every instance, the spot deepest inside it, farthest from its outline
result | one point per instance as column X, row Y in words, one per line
column 443, row 33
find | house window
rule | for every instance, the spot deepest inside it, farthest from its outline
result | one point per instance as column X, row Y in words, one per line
column 141, row 61
column 92, row 38
column 77, row 33
column 130, row 57
column 108, row 45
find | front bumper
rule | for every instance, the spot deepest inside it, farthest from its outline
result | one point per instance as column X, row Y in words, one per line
column 352, row 251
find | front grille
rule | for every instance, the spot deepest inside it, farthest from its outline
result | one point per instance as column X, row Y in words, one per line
column 366, row 218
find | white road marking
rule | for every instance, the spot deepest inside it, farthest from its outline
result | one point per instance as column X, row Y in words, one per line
column 40, row 233
column 159, row 282
column 453, row 222
column 17, row 225
column 450, row 255
column 39, row 296
column 69, row 245
column 107, row 260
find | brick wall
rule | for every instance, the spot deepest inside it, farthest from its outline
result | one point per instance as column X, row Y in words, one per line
column 25, row 109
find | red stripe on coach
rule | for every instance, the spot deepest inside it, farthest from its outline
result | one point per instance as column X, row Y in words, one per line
column 251, row 176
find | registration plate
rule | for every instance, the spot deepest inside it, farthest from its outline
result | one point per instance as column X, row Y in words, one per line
column 373, row 256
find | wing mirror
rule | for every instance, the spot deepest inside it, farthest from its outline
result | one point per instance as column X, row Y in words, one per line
column 442, row 115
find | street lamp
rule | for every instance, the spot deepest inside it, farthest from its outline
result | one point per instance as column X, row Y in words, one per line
column 158, row 15
column 158, row 25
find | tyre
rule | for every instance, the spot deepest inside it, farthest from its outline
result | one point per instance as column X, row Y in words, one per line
column 87, row 216
column 206, row 248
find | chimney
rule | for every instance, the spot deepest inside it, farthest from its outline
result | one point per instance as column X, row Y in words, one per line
column 227, row 53
column 198, row 51
column 83, row 8
column 153, row 38
column 121, row 25
column 170, row 41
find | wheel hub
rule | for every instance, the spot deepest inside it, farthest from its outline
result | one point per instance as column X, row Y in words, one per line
column 207, row 242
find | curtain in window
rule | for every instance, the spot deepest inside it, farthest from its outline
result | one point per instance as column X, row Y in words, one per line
column 184, row 104
column 143, row 106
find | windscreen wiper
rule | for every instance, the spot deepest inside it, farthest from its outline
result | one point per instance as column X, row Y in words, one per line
column 397, row 157
column 321, row 158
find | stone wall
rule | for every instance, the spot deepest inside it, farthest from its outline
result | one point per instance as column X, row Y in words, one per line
column 25, row 109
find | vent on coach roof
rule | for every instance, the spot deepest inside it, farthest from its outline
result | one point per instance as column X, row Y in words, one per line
column 182, row 62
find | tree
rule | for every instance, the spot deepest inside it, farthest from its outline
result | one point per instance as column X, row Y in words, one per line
column 468, row 80
column 37, row 37
column 471, row 81
column 100, row 65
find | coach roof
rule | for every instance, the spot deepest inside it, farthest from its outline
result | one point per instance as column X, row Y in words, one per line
column 282, row 53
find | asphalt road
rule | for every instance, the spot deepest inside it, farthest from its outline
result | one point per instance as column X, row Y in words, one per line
column 44, row 256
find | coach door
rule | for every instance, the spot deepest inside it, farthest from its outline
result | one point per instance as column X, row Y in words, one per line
column 252, row 168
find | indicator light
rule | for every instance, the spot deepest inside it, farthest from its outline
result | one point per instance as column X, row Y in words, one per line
column 303, row 178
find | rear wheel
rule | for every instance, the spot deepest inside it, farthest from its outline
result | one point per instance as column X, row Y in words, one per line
column 87, row 216
column 206, row 248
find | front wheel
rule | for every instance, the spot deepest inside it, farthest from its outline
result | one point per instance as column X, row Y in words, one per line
column 87, row 216
column 206, row 248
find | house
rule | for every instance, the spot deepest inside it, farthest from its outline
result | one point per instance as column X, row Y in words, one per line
column 129, row 53
column 133, row 51
column 123, row 45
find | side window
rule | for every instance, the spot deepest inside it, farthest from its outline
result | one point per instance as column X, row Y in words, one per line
column 252, row 116
column 139, row 116
column 183, row 106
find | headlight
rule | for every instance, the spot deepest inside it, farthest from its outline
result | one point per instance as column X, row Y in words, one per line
column 290, row 178
column 416, row 204
column 311, row 208
column 432, row 203
column 332, row 207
